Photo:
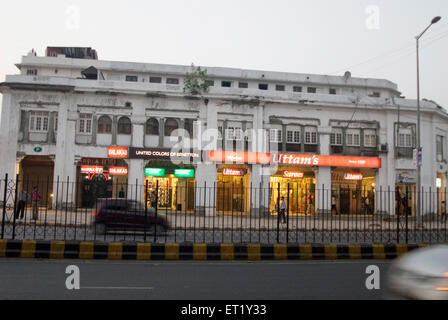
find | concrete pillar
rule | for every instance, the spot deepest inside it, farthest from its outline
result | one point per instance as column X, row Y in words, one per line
column 94, row 128
column 65, row 164
column 136, row 179
column 323, row 174
column 26, row 126
column 206, row 173
column 136, row 166
column 114, row 130
column 323, row 189
column 9, row 132
column 51, row 133
column 161, row 131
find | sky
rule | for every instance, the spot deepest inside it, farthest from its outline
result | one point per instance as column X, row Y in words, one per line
column 369, row 38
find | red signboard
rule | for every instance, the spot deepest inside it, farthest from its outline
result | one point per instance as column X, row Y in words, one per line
column 92, row 169
column 330, row 161
column 352, row 176
column 293, row 174
column 294, row 159
column 117, row 152
column 239, row 156
column 118, row 171
column 233, row 172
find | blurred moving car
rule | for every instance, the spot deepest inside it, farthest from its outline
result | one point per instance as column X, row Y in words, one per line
column 420, row 274
column 127, row 215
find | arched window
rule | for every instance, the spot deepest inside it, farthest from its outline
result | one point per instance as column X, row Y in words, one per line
column 170, row 126
column 124, row 125
column 104, row 125
column 152, row 127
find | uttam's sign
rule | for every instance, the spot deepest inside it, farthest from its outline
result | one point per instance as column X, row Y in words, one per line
column 293, row 159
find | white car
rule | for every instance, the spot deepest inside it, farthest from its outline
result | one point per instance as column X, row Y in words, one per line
column 420, row 274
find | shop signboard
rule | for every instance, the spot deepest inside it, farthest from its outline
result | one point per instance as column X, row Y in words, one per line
column 103, row 162
column 293, row 159
column 117, row 152
column 329, row 161
column 92, row 169
column 233, row 172
column 155, row 172
column 118, row 171
column 293, row 174
column 163, row 154
column 406, row 177
column 352, row 176
column 238, row 157
column 184, row 173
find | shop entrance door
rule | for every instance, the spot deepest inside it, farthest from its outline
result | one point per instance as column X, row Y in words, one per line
column 230, row 195
column 344, row 199
column 97, row 187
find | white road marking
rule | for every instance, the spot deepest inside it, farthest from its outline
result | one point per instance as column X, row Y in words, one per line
column 119, row 288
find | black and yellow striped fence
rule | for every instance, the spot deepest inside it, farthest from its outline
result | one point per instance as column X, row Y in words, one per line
column 188, row 251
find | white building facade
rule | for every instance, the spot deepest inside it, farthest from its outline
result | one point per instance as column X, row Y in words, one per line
column 61, row 116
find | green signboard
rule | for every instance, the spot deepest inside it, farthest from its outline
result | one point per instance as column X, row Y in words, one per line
column 37, row 149
column 184, row 173
column 155, row 172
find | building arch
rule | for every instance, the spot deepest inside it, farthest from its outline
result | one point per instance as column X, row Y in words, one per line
column 104, row 124
column 152, row 126
column 171, row 124
column 124, row 126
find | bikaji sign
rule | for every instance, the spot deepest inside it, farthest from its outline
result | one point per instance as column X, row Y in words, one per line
column 118, row 171
column 117, row 152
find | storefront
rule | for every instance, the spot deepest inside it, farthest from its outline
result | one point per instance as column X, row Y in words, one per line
column 353, row 191
column 169, row 178
column 100, row 178
column 233, row 189
column 441, row 192
column 352, row 183
column 296, row 185
column 405, row 192
column 169, row 186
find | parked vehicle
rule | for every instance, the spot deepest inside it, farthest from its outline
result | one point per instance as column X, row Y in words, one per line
column 420, row 274
column 127, row 215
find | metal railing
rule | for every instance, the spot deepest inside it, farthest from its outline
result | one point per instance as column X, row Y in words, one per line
column 219, row 213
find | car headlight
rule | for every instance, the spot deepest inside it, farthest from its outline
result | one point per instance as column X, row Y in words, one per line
column 442, row 283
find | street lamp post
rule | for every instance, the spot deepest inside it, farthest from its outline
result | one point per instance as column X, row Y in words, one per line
column 419, row 213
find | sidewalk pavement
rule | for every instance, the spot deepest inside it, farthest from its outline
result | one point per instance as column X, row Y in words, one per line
column 179, row 221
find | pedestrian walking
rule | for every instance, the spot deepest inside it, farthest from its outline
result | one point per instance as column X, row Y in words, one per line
column 443, row 211
column 333, row 205
column 35, row 198
column 23, row 198
column 153, row 199
column 282, row 210
column 311, row 204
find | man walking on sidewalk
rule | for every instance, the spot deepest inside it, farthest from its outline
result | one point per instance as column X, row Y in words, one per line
column 35, row 198
column 23, row 198
column 282, row 210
